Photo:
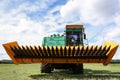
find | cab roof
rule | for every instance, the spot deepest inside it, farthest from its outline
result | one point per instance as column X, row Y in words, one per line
column 74, row 26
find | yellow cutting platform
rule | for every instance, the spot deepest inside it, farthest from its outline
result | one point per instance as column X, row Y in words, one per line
column 61, row 54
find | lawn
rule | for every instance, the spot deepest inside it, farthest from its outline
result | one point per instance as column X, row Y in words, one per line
column 32, row 72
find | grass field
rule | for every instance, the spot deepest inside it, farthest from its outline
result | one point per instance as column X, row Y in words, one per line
column 32, row 72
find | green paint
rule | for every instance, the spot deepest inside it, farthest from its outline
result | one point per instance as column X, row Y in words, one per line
column 57, row 40
column 54, row 41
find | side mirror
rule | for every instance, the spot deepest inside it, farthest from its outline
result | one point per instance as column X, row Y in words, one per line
column 84, row 36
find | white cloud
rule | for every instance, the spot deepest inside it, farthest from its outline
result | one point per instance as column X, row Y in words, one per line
column 113, row 33
column 98, row 14
column 95, row 12
column 15, row 24
column 21, row 27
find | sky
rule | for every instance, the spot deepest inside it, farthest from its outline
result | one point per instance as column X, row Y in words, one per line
column 29, row 21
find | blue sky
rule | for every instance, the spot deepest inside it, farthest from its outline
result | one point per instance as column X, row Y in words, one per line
column 28, row 21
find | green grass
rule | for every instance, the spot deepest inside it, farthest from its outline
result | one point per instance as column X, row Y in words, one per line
column 32, row 72
column 18, row 72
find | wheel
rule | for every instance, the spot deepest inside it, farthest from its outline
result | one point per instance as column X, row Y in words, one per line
column 77, row 68
column 46, row 68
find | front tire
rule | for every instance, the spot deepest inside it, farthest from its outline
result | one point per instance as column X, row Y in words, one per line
column 46, row 68
column 78, row 69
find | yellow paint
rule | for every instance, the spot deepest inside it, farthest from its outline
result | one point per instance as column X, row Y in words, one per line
column 110, row 54
column 8, row 50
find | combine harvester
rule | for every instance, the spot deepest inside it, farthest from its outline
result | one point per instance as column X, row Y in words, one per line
column 62, row 52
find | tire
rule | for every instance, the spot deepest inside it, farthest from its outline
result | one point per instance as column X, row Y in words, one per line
column 46, row 68
column 77, row 68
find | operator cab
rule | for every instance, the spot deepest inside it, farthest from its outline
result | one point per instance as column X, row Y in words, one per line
column 74, row 35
